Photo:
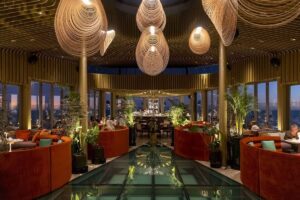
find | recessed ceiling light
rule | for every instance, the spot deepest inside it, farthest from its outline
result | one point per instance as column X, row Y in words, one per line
column 261, row 41
column 40, row 13
column 252, row 48
column 32, row 40
column 62, row 57
column 293, row 39
column 13, row 40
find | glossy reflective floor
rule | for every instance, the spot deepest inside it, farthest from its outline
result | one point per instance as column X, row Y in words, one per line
column 152, row 173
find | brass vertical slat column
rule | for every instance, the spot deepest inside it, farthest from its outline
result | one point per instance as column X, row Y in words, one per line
column 52, row 105
column 223, row 102
column 25, row 122
column 283, row 106
column 204, row 105
column 83, row 91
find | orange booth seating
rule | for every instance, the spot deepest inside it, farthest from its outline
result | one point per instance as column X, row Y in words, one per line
column 270, row 174
column 115, row 142
column 191, row 145
column 31, row 173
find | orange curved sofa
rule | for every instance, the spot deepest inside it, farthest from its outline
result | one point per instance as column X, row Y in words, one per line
column 31, row 173
column 190, row 145
column 270, row 174
column 115, row 143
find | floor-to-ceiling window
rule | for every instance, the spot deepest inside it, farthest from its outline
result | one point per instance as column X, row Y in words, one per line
column 187, row 103
column 35, row 90
column 93, row 105
column 212, row 105
column 46, row 106
column 198, row 105
column 251, row 116
column 12, row 100
column 262, row 104
column 295, row 104
column 273, row 104
column 107, row 104
column 138, row 101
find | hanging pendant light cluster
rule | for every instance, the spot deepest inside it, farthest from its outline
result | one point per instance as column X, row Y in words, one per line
column 223, row 16
column 152, row 51
column 81, row 27
column 262, row 13
column 199, row 41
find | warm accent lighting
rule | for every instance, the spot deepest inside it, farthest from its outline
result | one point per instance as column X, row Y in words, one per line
column 199, row 41
column 81, row 27
column 224, row 18
column 151, row 13
column 152, row 52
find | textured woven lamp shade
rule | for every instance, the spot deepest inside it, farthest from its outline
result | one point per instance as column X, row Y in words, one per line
column 224, row 18
column 80, row 26
column 110, row 35
column 264, row 13
column 152, row 52
column 199, row 41
column 151, row 13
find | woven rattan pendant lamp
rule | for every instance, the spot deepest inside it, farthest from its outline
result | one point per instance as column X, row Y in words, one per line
column 81, row 27
column 152, row 51
column 199, row 41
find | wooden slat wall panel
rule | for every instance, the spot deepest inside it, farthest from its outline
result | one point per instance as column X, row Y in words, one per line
column 161, row 82
column 15, row 69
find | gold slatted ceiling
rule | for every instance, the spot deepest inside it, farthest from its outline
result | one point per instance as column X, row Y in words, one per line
column 28, row 25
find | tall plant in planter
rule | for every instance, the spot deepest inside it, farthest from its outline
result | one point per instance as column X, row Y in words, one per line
column 71, row 116
column 97, row 151
column 128, row 113
column 215, row 155
column 178, row 115
column 240, row 104
column 3, row 129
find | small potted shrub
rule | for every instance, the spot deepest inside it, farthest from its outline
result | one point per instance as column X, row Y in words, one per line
column 215, row 155
column 129, row 118
column 97, row 152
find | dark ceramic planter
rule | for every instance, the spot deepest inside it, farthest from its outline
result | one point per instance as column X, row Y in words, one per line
column 98, row 155
column 132, row 136
column 234, row 152
column 79, row 164
column 215, row 158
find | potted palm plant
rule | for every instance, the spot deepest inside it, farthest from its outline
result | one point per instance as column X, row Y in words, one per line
column 129, row 118
column 240, row 104
column 179, row 116
column 97, row 151
column 215, row 155
column 71, row 116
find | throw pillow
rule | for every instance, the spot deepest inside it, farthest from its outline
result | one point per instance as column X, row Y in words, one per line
column 268, row 145
column 251, row 144
column 45, row 142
